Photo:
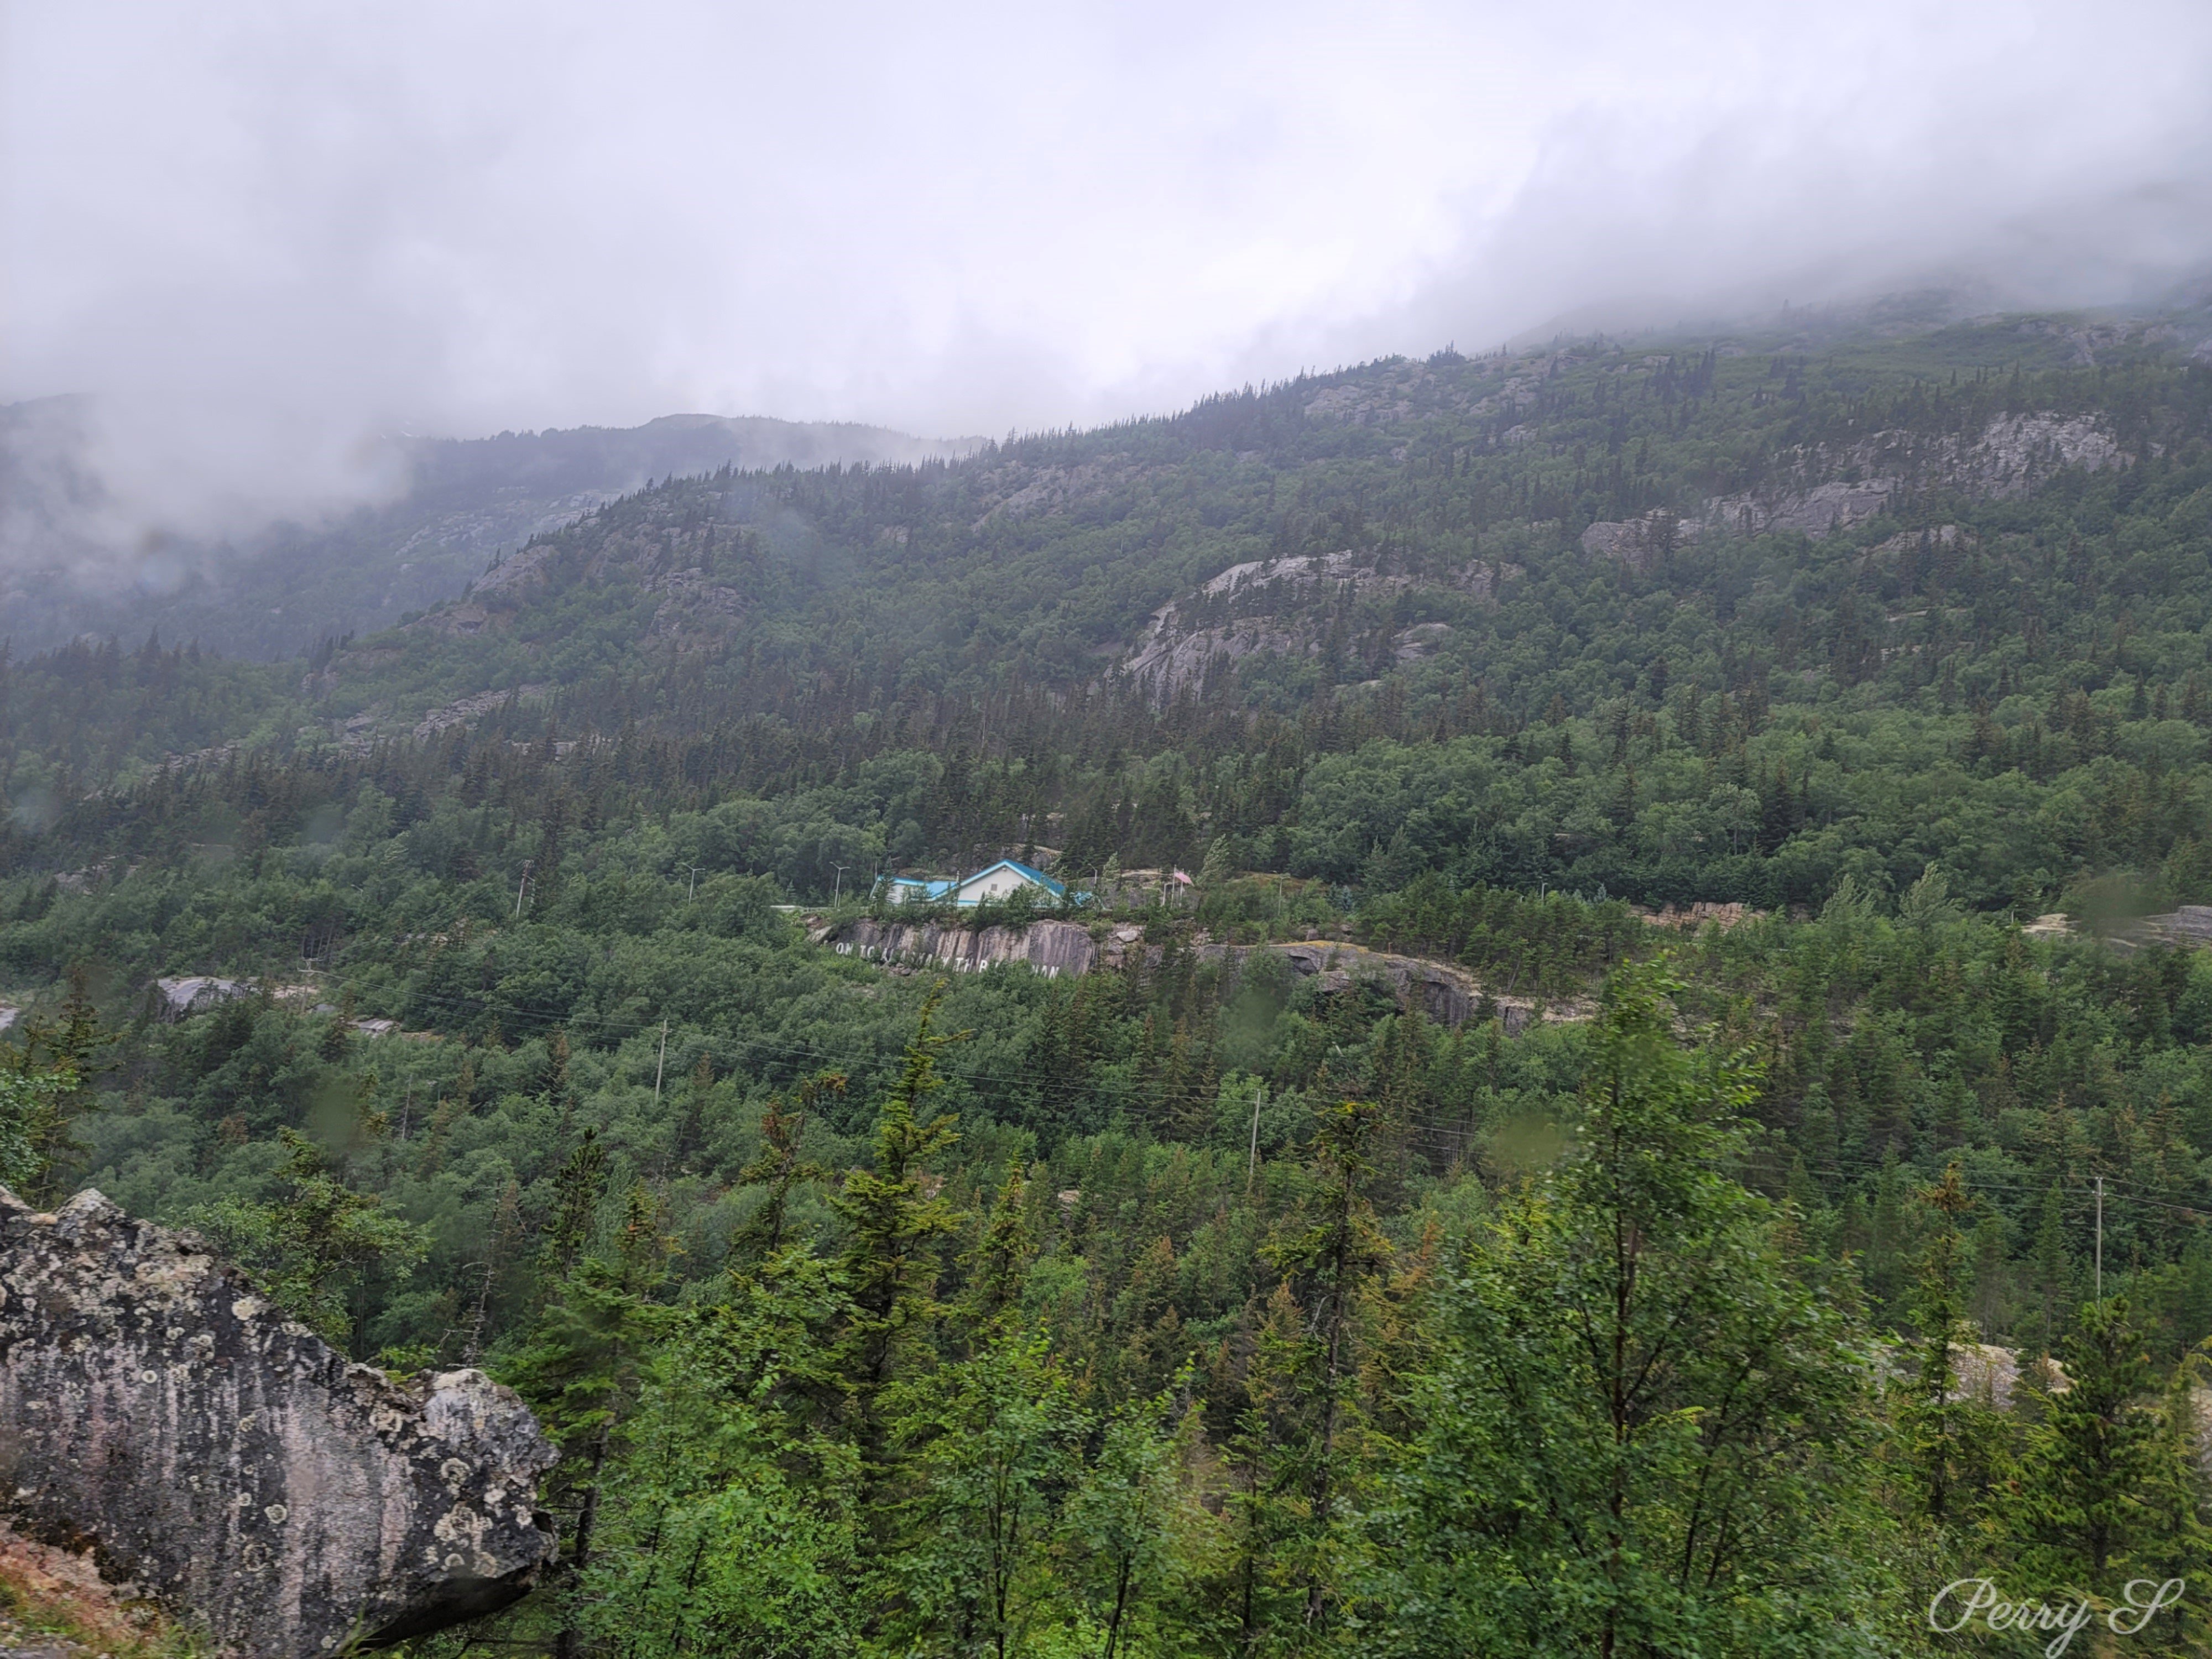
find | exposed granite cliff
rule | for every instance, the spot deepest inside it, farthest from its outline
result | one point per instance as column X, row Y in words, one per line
column 1819, row 489
column 1052, row 948
column 1447, row 994
column 2190, row 926
column 1280, row 606
column 223, row 1459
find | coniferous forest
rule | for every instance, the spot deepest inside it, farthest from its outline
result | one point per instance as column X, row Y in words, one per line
column 1794, row 743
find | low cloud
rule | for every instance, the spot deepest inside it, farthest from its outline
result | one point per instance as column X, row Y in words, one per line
column 267, row 238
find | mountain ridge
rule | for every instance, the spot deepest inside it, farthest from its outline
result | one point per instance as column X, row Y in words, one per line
column 63, row 575
column 1843, row 476
column 465, row 499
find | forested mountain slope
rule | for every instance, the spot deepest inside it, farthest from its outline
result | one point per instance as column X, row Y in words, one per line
column 1720, row 623
column 1191, row 1306
column 73, row 560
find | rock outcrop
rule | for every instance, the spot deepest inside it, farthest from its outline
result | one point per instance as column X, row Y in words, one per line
column 1052, row 948
column 466, row 711
column 1817, row 512
column 1817, row 490
column 177, row 998
column 1643, row 542
column 2191, row 926
column 1700, row 912
column 1995, row 1375
column 1280, row 605
column 1446, row 994
column 159, row 1416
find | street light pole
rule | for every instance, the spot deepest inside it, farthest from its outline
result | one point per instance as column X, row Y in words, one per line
column 839, row 891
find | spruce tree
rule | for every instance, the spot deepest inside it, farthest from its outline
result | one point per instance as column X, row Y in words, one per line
column 1948, row 1434
column 894, row 1218
column 586, row 1361
column 1645, row 1429
column 2093, row 1462
column 1331, row 1253
column 780, row 1168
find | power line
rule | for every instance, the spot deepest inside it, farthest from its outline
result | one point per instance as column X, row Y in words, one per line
column 1438, row 1137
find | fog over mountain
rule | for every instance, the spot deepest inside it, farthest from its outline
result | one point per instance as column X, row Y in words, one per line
column 73, row 560
column 273, row 247
column 1325, row 832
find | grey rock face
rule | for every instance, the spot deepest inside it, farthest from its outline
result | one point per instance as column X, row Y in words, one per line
column 1642, row 541
column 1817, row 490
column 1052, row 948
column 179, row 997
column 1446, row 994
column 226, row 1461
column 2187, row 928
column 1817, row 512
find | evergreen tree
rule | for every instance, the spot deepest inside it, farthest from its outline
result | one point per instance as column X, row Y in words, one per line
column 778, row 1168
column 1138, row 1537
column 1329, row 1257
column 585, row 1367
column 35, row 1117
column 54, row 1069
column 992, row 1441
column 2092, row 1476
column 2053, row 1273
column 894, row 1218
column 312, row 1247
column 1643, row 1434
column 726, row 1522
column 1949, row 1432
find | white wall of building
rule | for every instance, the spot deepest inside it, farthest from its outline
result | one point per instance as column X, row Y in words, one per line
column 993, row 884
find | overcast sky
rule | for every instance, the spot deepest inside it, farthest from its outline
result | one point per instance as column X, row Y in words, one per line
column 260, row 231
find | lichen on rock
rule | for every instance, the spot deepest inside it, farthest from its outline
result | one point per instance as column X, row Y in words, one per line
column 159, row 1415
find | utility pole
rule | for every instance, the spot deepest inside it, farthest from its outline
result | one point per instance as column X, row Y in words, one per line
column 690, row 891
column 661, row 1065
column 1252, row 1166
column 2101, row 1238
column 519, row 888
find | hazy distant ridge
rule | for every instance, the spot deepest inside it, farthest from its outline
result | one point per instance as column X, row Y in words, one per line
column 65, row 570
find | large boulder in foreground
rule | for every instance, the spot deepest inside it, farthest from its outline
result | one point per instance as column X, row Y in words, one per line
column 226, row 1461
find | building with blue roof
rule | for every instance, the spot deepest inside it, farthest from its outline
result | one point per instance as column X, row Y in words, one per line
column 1002, row 880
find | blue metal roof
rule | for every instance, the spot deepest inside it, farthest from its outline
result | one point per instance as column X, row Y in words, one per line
column 926, row 888
column 942, row 888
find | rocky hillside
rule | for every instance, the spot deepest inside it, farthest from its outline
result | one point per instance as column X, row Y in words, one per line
column 1404, row 521
column 1804, row 708
column 1695, row 617
column 1287, row 606
column 74, row 559
column 1441, row 991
